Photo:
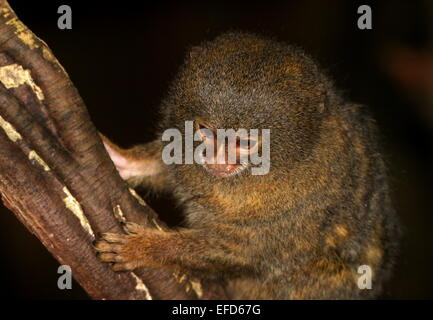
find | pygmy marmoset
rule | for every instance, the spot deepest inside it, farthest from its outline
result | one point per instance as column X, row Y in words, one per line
column 299, row 231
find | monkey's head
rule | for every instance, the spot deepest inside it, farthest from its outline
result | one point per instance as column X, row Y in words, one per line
column 242, row 81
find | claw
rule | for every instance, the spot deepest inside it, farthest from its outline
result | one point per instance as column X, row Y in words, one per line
column 109, row 257
column 104, row 246
column 123, row 267
column 114, row 237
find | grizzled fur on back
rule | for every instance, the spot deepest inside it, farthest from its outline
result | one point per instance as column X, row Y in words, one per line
column 323, row 210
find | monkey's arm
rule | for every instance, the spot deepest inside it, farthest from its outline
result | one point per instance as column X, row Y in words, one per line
column 139, row 165
column 193, row 249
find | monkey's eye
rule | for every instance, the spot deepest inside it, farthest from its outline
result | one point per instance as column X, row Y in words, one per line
column 243, row 143
column 246, row 143
column 205, row 133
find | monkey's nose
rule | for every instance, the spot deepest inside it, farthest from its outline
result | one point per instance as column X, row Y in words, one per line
column 222, row 170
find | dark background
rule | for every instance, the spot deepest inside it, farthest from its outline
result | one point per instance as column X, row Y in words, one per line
column 121, row 57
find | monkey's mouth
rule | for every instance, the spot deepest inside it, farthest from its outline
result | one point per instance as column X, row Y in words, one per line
column 224, row 170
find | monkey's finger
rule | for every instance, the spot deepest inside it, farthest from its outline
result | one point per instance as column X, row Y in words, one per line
column 123, row 266
column 114, row 237
column 111, row 257
column 104, row 246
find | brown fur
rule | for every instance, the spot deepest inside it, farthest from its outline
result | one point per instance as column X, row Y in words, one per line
column 299, row 232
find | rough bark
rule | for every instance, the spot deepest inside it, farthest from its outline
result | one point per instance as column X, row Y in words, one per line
column 57, row 178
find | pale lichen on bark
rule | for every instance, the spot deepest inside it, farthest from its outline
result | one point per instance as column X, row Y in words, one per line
column 136, row 196
column 21, row 31
column 10, row 131
column 196, row 286
column 14, row 75
column 118, row 214
column 141, row 286
column 74, row 206
column 5, row 12
column 34, row 156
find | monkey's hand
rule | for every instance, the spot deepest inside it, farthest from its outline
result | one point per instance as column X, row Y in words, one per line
column 138, row 248
column 139, row 165
column 195, row 250
column 139, row 161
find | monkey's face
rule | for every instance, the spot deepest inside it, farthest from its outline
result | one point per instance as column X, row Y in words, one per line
column 224, row 153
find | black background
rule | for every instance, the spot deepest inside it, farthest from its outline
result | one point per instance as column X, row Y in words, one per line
column 121, row 57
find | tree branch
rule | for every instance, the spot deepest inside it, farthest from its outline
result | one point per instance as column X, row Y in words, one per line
column 57, row 178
